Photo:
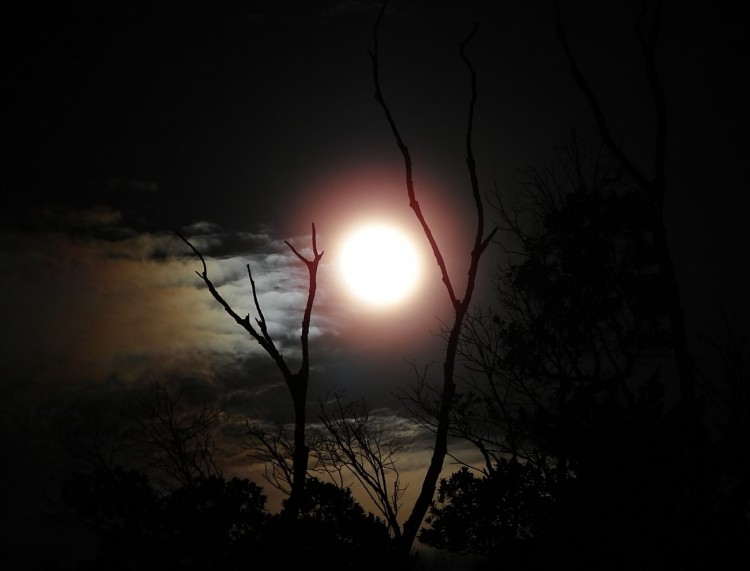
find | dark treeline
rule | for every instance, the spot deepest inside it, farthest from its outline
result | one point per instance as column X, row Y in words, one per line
column 218, row 523
column 592, row 458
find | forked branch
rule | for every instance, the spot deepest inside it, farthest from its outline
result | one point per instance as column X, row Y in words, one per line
column 413, row 203
column 297, row 383
column 261, row 334
column 654, row 187
column 460, row 306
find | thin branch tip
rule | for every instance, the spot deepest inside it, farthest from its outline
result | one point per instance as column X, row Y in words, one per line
column 474, row 29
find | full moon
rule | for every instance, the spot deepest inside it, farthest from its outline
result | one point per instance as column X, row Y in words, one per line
column 379, row 264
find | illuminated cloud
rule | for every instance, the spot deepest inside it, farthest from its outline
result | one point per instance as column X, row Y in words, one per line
column 87, row 305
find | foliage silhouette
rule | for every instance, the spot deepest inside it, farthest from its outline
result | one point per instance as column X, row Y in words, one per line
column 331, row 529
column 503, row 512
column 653, row 187
column 569, row 384
column 207, row 525
column 222, row 524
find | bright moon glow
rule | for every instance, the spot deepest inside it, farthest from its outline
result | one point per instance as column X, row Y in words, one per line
column 379, row 264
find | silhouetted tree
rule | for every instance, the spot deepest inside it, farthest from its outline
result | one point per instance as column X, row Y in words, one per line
column 331, row 529
column 459, row 305
column 725, row 380
column 218, row 524
column 575, row 318
column 296, row 382
column 117, row 501
column 354, row 443
column 567, row 384
column 176, row 441
column 568, row 379
column 211, row 524
column 653, row 186
column 505, row 512
column 276, row 451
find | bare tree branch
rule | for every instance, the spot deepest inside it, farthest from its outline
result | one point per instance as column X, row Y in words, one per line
column 460, row 306
column 355, row 443
column 274, row 450
column 413, row 203
column 179, row 442
column 653, row 188
column 296, row 382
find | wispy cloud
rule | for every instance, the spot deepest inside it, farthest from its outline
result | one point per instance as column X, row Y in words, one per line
column 90, row 296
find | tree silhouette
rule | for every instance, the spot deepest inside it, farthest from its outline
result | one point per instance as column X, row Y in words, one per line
column 215, row 523
column 211, row 524
column 354, row 443
column 575, row 311
column 460, row 305
column 296, row 382
column 503, row 512
column 331, row 529
column 726, row 384
column 177, row 443
column 653, row 187
column 567, row 394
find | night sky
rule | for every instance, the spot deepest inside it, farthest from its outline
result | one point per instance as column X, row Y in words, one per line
column 242, row 125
